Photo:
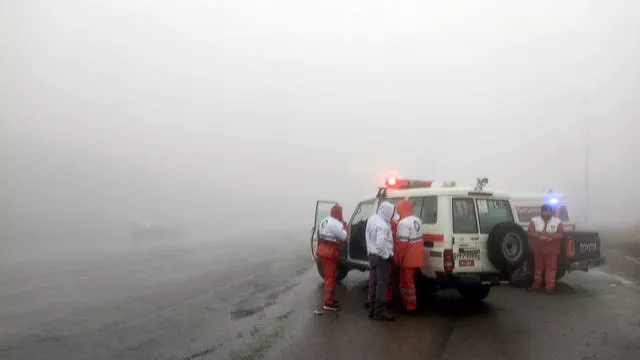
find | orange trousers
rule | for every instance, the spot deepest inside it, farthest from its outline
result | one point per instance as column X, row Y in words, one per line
column 403, row 277
column 548, row 264
column 408, row 288
column 329, row 270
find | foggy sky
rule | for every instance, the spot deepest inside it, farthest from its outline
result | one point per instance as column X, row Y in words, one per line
column 240, row 114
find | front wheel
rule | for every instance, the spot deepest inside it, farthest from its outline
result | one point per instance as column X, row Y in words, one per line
column 341, row 271
column 474, row 293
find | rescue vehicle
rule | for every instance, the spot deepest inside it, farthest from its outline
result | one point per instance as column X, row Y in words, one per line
column 471, row 240
column 580, row 250
column 528, row 206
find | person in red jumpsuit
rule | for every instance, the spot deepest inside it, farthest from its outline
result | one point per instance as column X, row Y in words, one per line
column 409, row 253
column 546, row 232
column 332, row 234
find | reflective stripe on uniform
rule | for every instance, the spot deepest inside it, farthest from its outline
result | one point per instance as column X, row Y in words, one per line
column 406, row 239
column 408, row 294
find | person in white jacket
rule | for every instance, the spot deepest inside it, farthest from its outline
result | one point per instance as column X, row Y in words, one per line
column 380, row 251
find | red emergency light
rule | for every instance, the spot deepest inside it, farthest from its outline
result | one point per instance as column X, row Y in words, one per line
column 395, row 183
column 391, row 181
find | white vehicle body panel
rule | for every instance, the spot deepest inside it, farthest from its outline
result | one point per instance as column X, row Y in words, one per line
column 439, row 234
column 528, row 205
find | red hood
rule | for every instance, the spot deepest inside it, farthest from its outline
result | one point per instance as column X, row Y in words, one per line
column 336, row 212
column 404, row 208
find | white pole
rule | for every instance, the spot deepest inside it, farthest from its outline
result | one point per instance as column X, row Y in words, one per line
column 586, row 176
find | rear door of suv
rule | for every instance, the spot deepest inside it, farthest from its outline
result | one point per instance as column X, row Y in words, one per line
column 469, row 249
column 473, row 219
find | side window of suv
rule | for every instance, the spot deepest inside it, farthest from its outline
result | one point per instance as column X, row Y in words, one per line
column 492, row 212
column 429, row 213
column 363, row 212
column 464, row 216
column 417, row 206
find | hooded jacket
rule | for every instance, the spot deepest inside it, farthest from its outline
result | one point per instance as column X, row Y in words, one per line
column 378, row 231
column 332, row 228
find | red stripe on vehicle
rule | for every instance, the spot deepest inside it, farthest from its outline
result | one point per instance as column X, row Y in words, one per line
column 432, row 237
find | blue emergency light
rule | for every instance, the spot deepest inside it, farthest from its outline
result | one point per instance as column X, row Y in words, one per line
column 552, row 199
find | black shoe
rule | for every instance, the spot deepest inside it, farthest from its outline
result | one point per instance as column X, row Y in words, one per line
column 549, row 292
column 367, row 304
column 409, row 312
column 332, row 307
column 384, row 317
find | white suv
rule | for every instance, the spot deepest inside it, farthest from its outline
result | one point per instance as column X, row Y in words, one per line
column 471, row 239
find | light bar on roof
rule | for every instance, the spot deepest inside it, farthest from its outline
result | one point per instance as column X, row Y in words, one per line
column 395, row 183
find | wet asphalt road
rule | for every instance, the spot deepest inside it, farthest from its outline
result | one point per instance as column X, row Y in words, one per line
column 192, row 302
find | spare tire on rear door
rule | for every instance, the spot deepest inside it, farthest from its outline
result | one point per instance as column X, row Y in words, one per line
column 508, row 247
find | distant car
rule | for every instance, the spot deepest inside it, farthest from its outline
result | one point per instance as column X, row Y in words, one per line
column 471, row 239
column 156, row 231
column 580, row 250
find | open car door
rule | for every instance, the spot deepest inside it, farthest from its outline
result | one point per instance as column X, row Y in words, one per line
column 323, row 209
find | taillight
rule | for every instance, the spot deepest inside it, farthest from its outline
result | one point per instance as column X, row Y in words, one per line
column 448, row 260
column 571, row 248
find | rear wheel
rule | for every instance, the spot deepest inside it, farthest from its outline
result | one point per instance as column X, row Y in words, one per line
column 474, row 293
column 341, row 271
column 523, row 277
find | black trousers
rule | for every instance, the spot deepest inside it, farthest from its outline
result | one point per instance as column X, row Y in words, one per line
column 379, row 269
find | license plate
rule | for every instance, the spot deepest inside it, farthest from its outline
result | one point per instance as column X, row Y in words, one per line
column 467, row 254
column 467, row 263
column 589, row 247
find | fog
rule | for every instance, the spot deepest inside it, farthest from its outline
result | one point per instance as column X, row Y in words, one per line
column 233, row 117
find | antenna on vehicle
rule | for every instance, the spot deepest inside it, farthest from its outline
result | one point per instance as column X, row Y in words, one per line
column 481, row 183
